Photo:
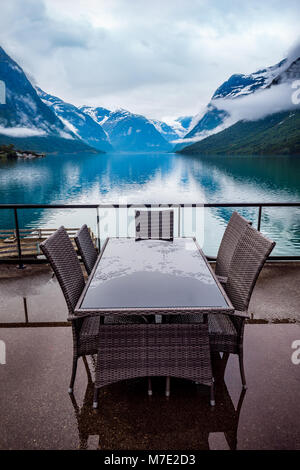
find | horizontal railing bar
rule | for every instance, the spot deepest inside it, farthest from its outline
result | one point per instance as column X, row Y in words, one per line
column 221, row 204
column 210, row 258
column 48, row 206
column 257, row 204
column 34, row 324
column 68, row 324
column 270, row 258
column 25, row 260
column 117, row 206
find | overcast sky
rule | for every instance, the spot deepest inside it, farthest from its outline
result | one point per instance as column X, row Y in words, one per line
column 160, row 58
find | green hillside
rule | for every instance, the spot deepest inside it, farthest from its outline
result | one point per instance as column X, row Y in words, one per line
column 275, row 134
column 48, row 144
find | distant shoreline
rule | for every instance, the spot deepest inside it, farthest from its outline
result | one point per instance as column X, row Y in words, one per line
column 8, row 152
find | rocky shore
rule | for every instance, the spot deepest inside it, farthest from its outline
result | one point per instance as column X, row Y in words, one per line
column 8, row 152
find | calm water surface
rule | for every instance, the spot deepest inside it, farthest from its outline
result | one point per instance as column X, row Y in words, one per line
column 160, row 177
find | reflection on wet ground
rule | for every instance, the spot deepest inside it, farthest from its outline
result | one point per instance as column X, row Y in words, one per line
column 37, row 412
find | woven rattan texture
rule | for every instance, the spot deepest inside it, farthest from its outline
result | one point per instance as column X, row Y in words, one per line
column 60, row 253
column 127, row 351
column 236, row 226
column 86, row 248
column 155, row 225
column 247, row 261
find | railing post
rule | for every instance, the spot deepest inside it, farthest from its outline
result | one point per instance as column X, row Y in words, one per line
column 25, row 309
column 117, row 208
column 178, row 220
column 98, row 229
column 259, row 218
column 20, row 265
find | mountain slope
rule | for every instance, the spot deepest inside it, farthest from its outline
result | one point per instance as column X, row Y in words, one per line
column 277, row 133
column 122, row 127
column 79, row 123
column 169, row 133
column 132, row 132
column 23, row 107
column 183, row 124
column 25, row 120
column 214, row 118
column 47, row 144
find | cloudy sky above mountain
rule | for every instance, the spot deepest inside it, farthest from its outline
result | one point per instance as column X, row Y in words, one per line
column 159, row 58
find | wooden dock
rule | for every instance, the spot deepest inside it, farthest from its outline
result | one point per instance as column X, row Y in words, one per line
column 30, row 241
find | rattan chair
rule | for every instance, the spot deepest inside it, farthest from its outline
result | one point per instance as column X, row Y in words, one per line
column 86, row 248
column 63, row 259
column 154, row 225
column 235, row 228
column 226, row 331
column 197, row 421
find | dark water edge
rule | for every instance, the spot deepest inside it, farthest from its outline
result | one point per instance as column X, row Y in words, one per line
column 152, row 178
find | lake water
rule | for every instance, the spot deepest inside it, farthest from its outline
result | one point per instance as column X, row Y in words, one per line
column 156, row 178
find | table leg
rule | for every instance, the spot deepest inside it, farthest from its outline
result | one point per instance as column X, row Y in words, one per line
column 95, row 400
column 167, row 392
column 149, row 386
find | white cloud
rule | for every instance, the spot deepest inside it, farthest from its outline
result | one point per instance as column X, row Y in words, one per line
column 258, row 105
column 154, row 58
column 202, row 135
column 21, row 131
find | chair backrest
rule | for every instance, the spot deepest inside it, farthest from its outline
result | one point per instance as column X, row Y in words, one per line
column 86, row 248
column 247, row 261
column 157, row 225
column 63, row 259
column 235, row 227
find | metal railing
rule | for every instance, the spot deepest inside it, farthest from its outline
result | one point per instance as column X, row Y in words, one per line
column 20, row 259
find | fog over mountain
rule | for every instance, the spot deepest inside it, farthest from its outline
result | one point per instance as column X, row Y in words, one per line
column 248, row 97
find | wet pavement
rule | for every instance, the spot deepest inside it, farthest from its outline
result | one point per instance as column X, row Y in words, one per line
column 36, row 411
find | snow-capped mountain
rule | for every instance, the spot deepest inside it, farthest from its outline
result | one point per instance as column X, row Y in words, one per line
column 170, row 133
column 290, row 73
column 128, row 125
column 26, row 121
column 175, row 129
column 276, row 133
column 217, row 115
column 24, row 114
column 99, row 114
column 182, row 125
column 77, row 121
column 30, row 112
column 133, row 132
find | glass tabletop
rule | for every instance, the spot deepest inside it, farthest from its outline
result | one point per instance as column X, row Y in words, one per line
column 152, row 274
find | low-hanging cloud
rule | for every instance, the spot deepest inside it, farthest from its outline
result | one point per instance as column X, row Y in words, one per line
column 22, row 132
column 257, row 105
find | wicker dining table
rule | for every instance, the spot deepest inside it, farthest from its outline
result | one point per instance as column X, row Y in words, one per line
column 139, row 288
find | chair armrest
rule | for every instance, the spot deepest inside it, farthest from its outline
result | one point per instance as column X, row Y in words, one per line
column 85, row 315
column 78, row 317
column 239, row 314
column 222, row 279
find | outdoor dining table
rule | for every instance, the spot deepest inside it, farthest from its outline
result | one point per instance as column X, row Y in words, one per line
column 139, row 289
